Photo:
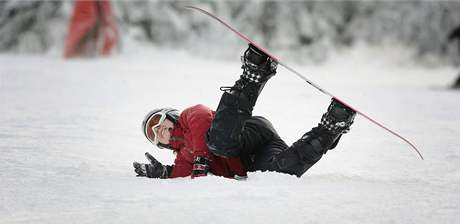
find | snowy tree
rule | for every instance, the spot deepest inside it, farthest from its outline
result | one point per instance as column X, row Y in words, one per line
column 307, row 30
column 28, row 25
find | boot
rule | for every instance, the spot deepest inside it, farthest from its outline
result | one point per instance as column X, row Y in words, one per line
column 258, row 68
column 338, row 118
column 335, row 122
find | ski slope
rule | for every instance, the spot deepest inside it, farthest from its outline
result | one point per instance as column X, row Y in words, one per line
column 70, row 131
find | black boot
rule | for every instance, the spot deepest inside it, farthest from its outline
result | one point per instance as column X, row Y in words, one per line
column 338, row 118
column 258, row 68
column 335, row 122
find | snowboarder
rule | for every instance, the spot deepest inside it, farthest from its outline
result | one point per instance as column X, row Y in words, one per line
column 230, row 141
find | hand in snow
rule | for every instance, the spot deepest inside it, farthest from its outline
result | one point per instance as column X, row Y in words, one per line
column 153, row 170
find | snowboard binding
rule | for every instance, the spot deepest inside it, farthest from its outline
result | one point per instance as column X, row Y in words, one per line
column 258, row 68
column 338, row 118
column 335, row 122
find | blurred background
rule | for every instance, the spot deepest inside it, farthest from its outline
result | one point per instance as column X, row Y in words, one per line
column 306, row 31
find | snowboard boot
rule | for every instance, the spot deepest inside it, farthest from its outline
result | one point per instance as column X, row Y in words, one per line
column 258, row 68
column 338, row 118
column 335, row 122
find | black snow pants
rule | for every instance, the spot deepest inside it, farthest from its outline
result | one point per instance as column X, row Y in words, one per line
column 235, row 133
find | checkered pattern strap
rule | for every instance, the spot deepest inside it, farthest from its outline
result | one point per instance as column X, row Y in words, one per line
column 336, row 127
column 252, row 76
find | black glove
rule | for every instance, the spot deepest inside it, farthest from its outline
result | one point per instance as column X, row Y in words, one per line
column 200, row 167
column 153, row 170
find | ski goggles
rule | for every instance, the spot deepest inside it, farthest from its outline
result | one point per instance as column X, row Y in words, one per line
column 163, row 114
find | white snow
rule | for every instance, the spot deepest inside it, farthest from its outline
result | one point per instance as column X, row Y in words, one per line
column 70, row 131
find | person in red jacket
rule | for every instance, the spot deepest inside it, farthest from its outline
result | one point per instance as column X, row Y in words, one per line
column 185, row 134
column 230, row 141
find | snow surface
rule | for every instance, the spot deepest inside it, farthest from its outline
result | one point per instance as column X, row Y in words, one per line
column 70, row 131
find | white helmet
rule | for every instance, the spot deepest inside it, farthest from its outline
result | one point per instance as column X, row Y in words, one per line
column 154, row 118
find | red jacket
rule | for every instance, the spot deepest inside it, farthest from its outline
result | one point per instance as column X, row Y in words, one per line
column 189, row 141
